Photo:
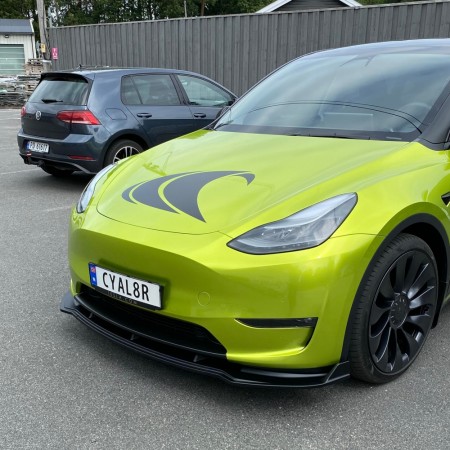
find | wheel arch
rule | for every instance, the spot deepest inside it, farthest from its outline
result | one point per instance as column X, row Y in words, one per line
column 126, row 136
column 429, row 229
column 437, row 242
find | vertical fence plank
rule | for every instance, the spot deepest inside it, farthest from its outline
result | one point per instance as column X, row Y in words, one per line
column 443, row 18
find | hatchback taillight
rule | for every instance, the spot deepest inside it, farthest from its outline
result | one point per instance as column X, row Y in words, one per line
column 80, row 117
column 23, row 111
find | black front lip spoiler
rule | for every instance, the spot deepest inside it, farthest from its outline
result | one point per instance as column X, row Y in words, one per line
column 229, row 372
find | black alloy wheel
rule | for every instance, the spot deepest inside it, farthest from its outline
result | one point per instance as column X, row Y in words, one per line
column 396, row 310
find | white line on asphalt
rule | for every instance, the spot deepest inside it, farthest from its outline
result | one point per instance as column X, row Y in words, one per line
column 18, row 171
column 59, row 208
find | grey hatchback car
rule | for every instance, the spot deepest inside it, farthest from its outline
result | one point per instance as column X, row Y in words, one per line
column 86, row 119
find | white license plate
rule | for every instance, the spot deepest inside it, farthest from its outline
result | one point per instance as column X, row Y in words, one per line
column 39, row 147
column 122, row 287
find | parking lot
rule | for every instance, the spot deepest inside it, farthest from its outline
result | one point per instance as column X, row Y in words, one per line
column 63, row 386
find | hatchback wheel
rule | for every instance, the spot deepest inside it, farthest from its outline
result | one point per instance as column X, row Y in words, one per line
column 122, row 149
column 395, row 312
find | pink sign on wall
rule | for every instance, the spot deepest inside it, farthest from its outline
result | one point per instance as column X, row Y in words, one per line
column 55, row 53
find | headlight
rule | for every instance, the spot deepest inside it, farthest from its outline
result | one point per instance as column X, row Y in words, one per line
column 89, row 190
column 305, row 229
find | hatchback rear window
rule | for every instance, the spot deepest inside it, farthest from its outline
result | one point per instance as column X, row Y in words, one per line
column 73, row 91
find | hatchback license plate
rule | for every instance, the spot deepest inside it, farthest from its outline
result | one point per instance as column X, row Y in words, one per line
column 127, row 289
column 39, row 147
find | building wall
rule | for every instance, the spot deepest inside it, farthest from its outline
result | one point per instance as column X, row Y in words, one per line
column 27, row 41
column 239, row 50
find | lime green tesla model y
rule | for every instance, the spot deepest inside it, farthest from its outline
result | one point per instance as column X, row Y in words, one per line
column 300, row 239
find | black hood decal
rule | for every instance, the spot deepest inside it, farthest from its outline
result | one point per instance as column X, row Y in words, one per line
column 180, row 192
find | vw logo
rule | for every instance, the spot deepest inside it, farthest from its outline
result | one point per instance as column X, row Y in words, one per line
column 38, row 115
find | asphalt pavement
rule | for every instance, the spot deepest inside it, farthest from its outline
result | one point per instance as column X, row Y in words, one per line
column 62, row 386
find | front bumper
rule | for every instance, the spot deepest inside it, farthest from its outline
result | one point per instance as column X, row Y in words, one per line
column 225, row 295
column 161, row 342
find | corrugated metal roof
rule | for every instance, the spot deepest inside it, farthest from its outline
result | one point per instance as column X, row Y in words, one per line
column 296, row 5
column 15, row 26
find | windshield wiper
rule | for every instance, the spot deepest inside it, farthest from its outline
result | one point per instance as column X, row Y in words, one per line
column 220, row 126
column 51, row 100
column 331, row 135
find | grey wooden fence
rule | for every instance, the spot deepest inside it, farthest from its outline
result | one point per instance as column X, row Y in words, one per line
column 239, row 50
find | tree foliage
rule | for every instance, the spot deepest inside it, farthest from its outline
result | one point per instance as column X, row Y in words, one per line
column 98, row 11
column 12, row 9
column 79, row 12
column 24, row 9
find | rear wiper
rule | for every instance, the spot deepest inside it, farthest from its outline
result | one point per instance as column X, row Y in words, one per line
column 51, row 100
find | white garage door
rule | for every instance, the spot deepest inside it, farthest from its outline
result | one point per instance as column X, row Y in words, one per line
column 12, row 59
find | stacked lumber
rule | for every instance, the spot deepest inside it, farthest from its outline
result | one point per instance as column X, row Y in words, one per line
column 27, row 83
column 34, row 67
column 15, row 91
column 12, row 99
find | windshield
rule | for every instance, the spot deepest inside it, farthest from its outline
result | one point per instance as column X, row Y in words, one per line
column 383, row 96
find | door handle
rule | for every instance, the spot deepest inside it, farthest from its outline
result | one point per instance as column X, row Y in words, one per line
column 199, row 115
column 144, row 115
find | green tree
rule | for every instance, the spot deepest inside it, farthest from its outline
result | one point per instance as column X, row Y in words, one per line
column 25, row 9
column 12, row 9
column 78, row 12
column 82, row 12
column 220, row 7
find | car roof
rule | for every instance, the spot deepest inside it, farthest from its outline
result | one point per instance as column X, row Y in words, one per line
column 100, row 72
column 436, row 46
column 91, row 72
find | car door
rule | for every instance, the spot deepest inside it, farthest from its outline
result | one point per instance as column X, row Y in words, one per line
column 155, row 103
column 205, row 98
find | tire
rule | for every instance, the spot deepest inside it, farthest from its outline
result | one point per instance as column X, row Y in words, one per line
column 60, row 173
column 120, row 150
column 395, row 310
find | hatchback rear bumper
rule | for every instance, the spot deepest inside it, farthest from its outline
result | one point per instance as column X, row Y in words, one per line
column 77, row 152
column 89, row 167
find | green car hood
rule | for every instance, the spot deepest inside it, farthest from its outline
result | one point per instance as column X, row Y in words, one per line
column 214, row 181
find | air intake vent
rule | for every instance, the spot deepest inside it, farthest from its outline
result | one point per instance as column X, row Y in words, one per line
column 446, row 198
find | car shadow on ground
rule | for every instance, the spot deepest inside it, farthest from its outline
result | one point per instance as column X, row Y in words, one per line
column 41, row 180
column 165, row 377
column 207, row 389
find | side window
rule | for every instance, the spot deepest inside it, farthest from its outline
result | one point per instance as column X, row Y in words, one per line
column 203, row 93
column 129, row 93
column 154, row 90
